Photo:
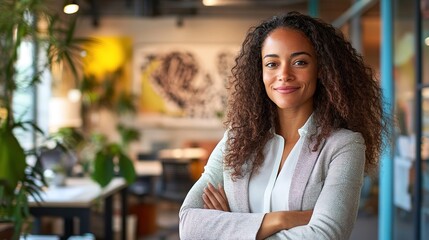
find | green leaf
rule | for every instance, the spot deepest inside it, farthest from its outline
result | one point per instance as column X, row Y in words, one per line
column 128, row 134
column 70, row 31
column 126, row 167
column 22, row 124
column 125, row 103
column 12, row 160
column 114, row 149
column 103, row 168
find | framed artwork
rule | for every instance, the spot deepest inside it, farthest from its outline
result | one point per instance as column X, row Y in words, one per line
column 183, row 81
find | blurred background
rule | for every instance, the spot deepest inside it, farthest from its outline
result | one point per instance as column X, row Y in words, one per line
column 151, row 78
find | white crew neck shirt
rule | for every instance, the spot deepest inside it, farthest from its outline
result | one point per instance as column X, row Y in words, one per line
column 268, row 191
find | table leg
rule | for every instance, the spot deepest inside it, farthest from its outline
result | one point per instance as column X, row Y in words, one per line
column 37, row 225
column 108, row 218
column 68, row 226
column 85, row 222
column 124, row 213
column 67, row 213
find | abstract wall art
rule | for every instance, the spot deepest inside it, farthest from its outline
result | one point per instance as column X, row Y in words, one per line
column 183, row 80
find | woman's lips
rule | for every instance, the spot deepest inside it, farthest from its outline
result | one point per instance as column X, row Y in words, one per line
column 285, row 90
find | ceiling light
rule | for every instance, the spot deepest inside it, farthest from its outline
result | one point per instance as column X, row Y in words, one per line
column 209, row 2
column 427, row 41
column 71, row 7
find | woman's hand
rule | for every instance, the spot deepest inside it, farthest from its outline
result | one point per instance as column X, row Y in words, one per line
column 274, row 222
column 215, row 198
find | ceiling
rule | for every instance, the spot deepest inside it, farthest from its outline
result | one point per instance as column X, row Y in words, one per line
column 329, row 10
column 153, row 8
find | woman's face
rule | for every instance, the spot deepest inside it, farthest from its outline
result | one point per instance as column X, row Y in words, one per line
column 289, row 68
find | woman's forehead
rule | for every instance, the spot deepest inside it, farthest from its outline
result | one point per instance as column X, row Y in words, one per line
column 287, row 38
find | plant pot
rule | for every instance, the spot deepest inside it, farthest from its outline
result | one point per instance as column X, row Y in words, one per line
column 6, row 230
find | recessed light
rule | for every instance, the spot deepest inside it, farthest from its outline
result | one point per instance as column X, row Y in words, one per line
column 71, row 8
column 209, row 2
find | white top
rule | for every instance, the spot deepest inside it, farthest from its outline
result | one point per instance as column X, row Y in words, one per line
column 267, row 191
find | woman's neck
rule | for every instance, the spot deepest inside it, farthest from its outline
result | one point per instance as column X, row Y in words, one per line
column 290, row 122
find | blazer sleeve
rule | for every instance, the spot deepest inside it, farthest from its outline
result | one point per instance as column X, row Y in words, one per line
column 199, row 223
column 336, row 208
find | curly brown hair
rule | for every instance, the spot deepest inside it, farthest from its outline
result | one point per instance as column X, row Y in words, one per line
column 347, row 95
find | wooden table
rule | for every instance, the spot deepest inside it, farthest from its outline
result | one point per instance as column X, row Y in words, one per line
column 76, row 199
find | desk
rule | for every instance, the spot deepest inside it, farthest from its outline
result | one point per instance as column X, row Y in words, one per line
column 75, row 199
column 149, row 168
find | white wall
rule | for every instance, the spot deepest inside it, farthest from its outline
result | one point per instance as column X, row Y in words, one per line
column 196, row 30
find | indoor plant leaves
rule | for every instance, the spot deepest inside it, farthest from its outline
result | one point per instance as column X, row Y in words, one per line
column 12, row 160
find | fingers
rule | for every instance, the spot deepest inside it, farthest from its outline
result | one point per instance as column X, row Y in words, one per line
column 221, row 190
column 206, row 199
column 215, row 198
column 207, row 203
column 220, row 196
column 210, row 200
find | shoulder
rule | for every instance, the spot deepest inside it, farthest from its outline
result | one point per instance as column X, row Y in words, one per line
column 344, row 136
column 343, row 139
column 343, row 146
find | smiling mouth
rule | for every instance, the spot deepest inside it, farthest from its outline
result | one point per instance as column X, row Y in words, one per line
column 286, row 90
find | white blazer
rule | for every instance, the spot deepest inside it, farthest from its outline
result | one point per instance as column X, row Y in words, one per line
column 328, row 181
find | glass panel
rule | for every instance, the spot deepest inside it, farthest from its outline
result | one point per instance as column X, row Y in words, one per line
column 23, row 97
column 425, row 141
column 425, row 167
column 404, row 153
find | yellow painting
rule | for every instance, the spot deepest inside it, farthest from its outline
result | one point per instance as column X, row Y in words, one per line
column 110, row 56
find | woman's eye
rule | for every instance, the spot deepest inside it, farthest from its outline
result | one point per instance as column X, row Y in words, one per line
column 270, row 64
column 300, row 63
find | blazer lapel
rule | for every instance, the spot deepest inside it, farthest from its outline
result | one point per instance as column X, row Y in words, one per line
column 301, row 175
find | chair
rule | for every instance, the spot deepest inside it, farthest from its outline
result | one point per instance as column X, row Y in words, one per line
column 144, row 185
column 176, row 180
column 144, row 189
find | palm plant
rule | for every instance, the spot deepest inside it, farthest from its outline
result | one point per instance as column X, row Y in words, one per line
column 19, row 25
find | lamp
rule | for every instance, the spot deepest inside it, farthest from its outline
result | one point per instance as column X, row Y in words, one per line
column 71, row 7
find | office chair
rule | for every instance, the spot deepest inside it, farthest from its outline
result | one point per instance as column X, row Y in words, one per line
column 144, row 185
column 176, row 180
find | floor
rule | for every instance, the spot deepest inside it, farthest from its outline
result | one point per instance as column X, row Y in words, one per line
column 366, row 227
column 167, row 222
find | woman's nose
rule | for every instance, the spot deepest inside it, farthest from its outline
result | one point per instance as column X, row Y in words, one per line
column 285, row 73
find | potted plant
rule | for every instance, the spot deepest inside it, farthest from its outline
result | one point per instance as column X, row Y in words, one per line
column 19, row 25
column 103, row 155
column 24, row 22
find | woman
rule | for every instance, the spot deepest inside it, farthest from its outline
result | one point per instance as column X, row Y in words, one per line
column 304, row 124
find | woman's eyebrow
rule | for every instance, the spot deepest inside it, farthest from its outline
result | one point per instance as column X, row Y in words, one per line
column 299, row 53
column 292, row 55
column 271, row 55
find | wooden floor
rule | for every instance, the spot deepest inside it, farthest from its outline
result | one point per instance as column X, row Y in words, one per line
column 167, row 221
